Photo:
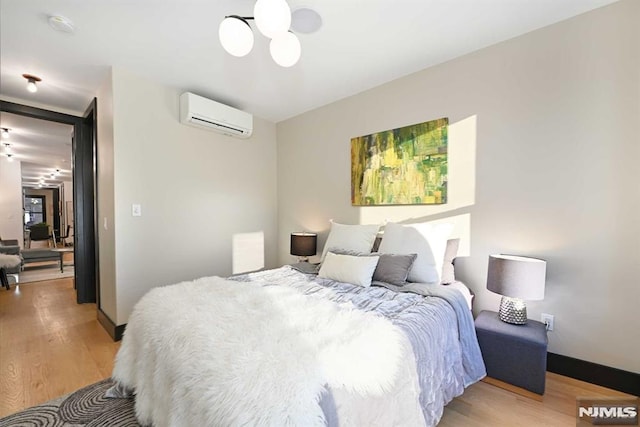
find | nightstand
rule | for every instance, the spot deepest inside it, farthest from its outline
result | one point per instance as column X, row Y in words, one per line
column 513, row 354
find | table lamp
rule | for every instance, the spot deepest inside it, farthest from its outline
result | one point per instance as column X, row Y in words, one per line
column 303, row 245
column 516, row 278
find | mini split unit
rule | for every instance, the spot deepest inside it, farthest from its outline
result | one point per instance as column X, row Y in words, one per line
column 211, row 115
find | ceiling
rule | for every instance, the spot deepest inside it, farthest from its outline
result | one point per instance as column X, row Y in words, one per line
column 175, row 42
column 360, row 45
column 41, row 146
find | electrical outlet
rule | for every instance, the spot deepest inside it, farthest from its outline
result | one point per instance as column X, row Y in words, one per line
column 547, row 319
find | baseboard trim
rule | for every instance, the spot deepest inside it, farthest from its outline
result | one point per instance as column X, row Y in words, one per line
column 114, row 331
column 616, row 379
column 512, row 388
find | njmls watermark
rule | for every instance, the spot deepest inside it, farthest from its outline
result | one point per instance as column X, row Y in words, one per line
column 607, row 411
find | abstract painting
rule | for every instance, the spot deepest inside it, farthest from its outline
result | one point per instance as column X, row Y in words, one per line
column 405, row 166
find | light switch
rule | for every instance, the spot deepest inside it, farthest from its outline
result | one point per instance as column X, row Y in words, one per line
column 104, row 224
column 136, row 210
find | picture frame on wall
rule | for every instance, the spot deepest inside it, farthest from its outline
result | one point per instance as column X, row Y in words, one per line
column 404, row 166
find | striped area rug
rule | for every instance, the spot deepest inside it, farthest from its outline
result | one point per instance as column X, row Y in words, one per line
column 85, row 407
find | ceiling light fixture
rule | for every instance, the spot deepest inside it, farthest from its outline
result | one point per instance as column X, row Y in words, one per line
column 31, row 82
column 235, row 35
column 5, row 133
column 273, row 19
column 10, row 157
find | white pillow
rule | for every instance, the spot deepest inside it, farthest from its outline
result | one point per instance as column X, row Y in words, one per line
column 357, row 270
column 358, row 238
column 427, row 240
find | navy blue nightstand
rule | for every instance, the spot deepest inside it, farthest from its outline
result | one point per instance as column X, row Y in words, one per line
column 515, row 354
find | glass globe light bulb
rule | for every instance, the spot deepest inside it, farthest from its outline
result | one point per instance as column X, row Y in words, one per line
column 285, row 49
column 31, row 86
column 273, row 17
column 236, row 36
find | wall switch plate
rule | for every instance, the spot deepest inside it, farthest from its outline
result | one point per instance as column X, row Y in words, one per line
column 547, row 319
column 136, row 210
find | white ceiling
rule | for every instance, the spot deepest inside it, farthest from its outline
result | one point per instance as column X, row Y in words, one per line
column 41, row 146
column 361, row 44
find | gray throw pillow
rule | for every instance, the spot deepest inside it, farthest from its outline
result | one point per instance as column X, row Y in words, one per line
column 448, row 272
column 394, row 268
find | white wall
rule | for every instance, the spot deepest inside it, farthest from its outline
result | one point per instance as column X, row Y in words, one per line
column 550, row 124
column 105, row 194
column 32, row 103
column 197, row 189
column 11, row 226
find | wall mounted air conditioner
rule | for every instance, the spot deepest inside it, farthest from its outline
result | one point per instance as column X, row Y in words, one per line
column 208, row 114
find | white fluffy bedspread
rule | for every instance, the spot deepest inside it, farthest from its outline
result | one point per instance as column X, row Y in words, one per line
column 215, row 352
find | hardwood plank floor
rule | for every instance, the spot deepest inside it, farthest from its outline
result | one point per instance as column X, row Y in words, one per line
column 485, row 405
column 50, row 346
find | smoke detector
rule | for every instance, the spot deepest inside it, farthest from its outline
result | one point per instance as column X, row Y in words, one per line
column 305, row 20
column 61, row 23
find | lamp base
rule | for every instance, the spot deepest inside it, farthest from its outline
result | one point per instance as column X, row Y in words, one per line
column 513, row 310
column 303, row 259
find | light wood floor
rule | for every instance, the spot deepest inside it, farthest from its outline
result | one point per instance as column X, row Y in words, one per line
column 50, row 346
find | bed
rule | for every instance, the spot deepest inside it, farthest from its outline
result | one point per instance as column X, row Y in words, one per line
column 289, row 347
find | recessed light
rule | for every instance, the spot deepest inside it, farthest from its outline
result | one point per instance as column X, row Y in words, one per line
column 5, row 133
column 61, row 23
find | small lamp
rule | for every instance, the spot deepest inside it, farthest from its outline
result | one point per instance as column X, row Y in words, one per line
column 303, row 245
column 516, row 278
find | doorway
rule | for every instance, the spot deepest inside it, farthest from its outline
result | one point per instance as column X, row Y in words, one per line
column 84, row 150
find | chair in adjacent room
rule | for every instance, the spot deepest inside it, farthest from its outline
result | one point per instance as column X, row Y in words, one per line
column 39, row 232
column 62, row 239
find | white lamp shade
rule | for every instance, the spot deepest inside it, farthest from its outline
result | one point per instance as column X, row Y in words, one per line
column 517, row 276
column 285, row 49
column 236, row 36
column 272, row 17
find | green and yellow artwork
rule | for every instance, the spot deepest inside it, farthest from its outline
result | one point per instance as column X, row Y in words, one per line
column 405, row 166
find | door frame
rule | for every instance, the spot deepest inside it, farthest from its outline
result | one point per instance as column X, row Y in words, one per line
column 85, row 236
